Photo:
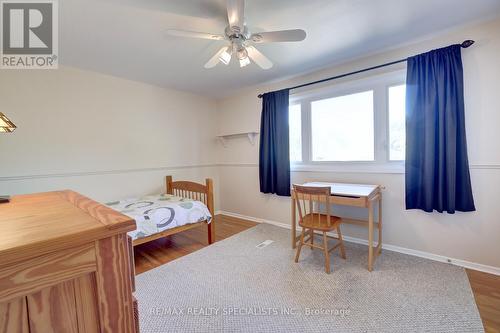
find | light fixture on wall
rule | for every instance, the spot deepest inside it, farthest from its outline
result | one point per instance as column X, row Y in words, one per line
column 6, row 126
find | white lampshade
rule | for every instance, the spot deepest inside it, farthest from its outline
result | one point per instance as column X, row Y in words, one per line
column 244, row 61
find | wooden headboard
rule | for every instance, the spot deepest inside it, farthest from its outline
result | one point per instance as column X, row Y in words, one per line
column 192, row 190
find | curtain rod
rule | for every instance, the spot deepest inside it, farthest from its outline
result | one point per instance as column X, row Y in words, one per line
column 465, row 44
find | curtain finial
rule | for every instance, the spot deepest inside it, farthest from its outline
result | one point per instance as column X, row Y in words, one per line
column 466, row 43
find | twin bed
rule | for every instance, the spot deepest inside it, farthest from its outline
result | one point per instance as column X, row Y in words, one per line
column 184, row 206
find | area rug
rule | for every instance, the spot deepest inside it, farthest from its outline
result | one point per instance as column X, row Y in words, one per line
column 235, row 286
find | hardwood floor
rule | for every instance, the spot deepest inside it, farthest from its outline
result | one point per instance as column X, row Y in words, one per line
column 161, row 251
column 486, row 287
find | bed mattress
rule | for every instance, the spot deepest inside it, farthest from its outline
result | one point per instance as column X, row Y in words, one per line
column 156, row 213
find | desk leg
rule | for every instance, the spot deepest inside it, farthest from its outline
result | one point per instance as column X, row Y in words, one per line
column 370, row 235
column 294, row 225
column 379, row 223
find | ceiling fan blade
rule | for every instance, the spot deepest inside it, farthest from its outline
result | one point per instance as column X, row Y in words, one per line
column 259, row 58
column 194, row 34
column 215, row 59
column 294, row 35
column 236, row 15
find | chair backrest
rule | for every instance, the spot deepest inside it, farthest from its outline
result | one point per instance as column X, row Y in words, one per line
column 309, row 201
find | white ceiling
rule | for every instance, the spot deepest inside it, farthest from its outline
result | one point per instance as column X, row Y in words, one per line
column 127, row 38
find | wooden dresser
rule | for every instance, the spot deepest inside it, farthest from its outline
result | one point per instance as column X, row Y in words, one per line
column 65, row 265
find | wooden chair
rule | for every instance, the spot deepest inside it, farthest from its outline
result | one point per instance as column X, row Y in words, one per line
column 309, row 202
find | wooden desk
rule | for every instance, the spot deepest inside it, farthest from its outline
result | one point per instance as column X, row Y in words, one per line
column 356, row 195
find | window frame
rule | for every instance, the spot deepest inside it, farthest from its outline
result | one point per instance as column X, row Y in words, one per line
column 379, row 84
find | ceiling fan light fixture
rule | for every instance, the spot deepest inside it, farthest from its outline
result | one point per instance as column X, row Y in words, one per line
column 225, row 57
column 241, row 40
column 244, row 62
column 242, row 53
column 243, row 56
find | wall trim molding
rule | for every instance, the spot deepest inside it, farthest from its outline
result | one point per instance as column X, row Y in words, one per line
column 104, row 172
column 484, row 166
column 334, row 168
column 431, row 256
column 239, row 165
column 212, row 165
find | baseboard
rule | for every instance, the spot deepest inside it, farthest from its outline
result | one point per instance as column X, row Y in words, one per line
column 416, row 253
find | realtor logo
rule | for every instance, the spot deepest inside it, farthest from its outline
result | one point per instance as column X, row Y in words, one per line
column 29, row 34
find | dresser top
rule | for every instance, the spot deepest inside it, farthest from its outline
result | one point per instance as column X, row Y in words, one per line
column 34, row 224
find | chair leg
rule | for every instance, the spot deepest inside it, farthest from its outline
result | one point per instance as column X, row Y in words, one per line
column 327, row 254
column 301, row 242
column 209, row 231
column 312, row 238
column 342, row 249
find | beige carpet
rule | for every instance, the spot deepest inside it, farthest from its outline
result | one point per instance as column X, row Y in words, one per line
column 232, row 286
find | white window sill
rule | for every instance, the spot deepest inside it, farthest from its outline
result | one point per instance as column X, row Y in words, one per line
column 390, row 168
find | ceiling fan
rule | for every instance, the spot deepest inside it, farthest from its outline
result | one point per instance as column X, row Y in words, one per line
column 241, row 39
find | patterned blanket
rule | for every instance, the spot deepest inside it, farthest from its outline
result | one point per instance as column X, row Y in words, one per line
column 157, row 213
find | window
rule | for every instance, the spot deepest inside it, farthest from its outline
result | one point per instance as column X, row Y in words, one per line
column 342, row 128
column 355, row 126
column 397, row 135
column 295, row 124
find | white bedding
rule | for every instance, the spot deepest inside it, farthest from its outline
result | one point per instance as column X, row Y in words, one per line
column 156, row 213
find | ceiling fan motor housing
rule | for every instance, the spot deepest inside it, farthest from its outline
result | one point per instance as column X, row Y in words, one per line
column 234, row 33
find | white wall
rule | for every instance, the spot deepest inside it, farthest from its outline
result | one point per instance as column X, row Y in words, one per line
column 105, row 137
column 473, row 237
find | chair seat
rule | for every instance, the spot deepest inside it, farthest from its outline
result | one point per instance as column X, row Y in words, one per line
column 311, row 221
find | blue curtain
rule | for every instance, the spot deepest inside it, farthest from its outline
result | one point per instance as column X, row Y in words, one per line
column 437, row 167
column 274, row 152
